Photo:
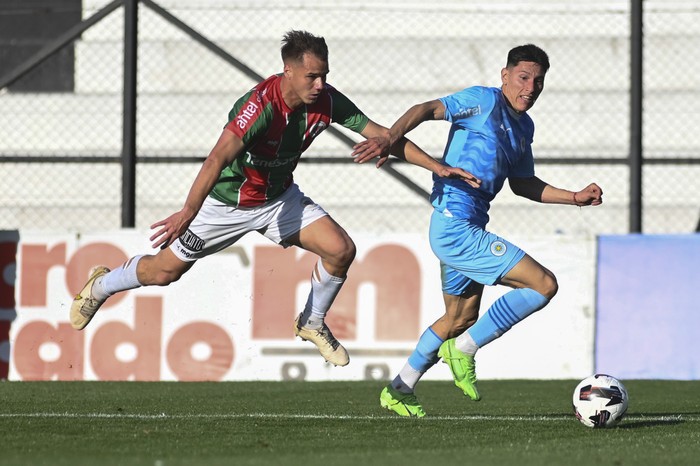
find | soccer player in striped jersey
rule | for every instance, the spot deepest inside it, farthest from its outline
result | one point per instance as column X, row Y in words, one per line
column 490, row 136
column 246, row 184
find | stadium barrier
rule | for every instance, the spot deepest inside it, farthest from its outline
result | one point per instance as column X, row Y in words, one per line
column 647, row 315
column 230, row 317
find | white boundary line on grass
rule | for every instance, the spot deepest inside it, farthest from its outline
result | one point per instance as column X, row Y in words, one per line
column 475, row 417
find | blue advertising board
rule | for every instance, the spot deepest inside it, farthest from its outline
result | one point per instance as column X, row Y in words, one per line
column 648, row 307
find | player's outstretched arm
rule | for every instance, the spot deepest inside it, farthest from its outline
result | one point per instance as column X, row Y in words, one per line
column 537, row 190
column 226, row 149
column 380, row 143
column 408, row 151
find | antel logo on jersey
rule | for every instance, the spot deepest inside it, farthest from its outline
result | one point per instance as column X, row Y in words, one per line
column 246, row 114
column 192, row 241
column 468, row 112
column 498, row 248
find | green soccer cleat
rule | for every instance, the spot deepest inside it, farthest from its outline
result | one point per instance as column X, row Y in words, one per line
column 463, row 368
column 403, row 404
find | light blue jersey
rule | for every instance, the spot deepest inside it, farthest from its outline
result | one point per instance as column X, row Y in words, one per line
column 491, row 141
column 487, row 139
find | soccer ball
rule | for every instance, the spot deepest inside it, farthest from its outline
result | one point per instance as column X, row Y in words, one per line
column 600, row 401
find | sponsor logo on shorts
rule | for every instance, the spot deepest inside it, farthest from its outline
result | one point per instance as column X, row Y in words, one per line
column 498, row 248
column 192, row 241
column 184, row 252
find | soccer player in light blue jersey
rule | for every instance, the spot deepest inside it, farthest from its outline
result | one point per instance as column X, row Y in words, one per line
column 490, row 137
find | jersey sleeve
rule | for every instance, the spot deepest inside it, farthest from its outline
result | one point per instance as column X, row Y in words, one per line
column 346, row 113
column 249, row 118
column 466, row 104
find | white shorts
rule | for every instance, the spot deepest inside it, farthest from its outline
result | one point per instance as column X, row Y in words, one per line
column 218, row 225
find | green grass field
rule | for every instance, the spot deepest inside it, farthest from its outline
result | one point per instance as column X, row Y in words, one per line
column 337, row 423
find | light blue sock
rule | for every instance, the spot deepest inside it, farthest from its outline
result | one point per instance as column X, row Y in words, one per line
column 425, row 354
column 423, row 358
column 507, row 311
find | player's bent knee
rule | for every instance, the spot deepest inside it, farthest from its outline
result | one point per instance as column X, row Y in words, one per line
column 345, row 254
column 550, row 286
column 349, row 253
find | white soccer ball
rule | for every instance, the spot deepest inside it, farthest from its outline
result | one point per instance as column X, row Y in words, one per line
column 600, row 401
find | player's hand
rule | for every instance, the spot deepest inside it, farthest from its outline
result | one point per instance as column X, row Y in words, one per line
column 368, row 149
column 454, row 172
column 590, row 195
column 169, row 229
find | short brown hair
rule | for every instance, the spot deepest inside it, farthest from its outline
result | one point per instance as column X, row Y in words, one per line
column 296, row 43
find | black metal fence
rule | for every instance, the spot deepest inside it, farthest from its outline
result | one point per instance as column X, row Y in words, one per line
column 108, row 108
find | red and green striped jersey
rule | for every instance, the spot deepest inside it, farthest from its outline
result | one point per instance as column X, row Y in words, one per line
column 274, row 138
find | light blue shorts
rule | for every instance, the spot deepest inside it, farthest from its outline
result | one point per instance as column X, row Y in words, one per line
column 469, row 253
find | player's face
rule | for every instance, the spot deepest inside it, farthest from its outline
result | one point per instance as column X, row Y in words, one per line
column 305, row 79
column 522, row 85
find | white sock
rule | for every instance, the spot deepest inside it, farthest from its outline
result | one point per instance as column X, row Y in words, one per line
column 324, row 289
column 466, row 344
column 120, row 279
column 407, row 379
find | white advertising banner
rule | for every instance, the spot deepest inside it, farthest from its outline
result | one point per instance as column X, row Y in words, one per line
column 231, row 316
